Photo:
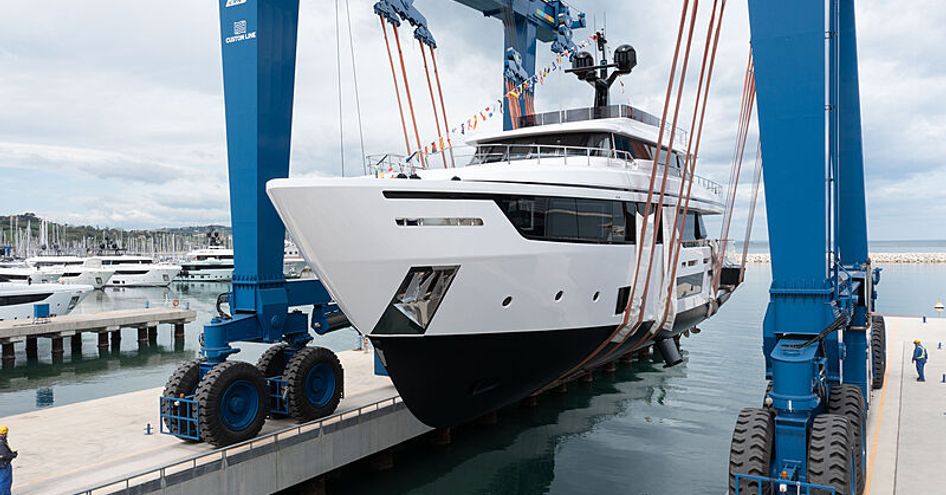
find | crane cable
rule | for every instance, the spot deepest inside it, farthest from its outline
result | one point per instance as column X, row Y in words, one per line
column 653, row 178
column 410, row 101
column 354, row 75
column 443, row 107
column 748, row 104
column 338, row 66
column 397, row 90
column 433, row 103
column 756, row 178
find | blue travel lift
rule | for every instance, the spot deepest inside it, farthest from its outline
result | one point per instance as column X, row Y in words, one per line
column 824, row 348
column 221, row 401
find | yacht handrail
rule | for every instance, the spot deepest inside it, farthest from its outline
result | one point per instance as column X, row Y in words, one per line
column 569, row 155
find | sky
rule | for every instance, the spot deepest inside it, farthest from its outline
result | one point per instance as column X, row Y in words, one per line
column 111, row 111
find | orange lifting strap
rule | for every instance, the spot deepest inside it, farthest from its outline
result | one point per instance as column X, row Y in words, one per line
column 745, row 118
column 443, row 107
column 433, row 103
column 410, row 101
column 653, row 179
column 693, row 148
column 397, row 90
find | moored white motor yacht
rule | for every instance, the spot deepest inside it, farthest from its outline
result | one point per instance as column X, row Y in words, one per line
column 17, row 301
column 27, row 275
column 480, row 284
column 209, row 264
column 138, row 271
column 74, row 270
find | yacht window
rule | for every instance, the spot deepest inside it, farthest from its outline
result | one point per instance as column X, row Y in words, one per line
column 693, row 228
column 639, row 150
column 660, row 230
column 527, row 147
column 22, row 299
column 570, row 220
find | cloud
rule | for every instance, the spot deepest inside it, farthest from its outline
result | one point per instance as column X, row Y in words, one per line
column 116, row 107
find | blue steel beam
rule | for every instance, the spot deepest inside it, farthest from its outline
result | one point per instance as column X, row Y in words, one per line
column 525, row 22
column 258, row 39
column 816, row 206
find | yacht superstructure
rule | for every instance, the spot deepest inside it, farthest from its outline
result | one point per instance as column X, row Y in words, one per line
column 481, row 284
column 209, row 264
column 138, row 271
column 74, row 270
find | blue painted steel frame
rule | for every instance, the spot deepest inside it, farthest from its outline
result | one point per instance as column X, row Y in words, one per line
column 258, row 39
column 815, row 202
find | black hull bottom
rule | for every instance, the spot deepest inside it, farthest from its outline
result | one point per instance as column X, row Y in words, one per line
column 449, row 380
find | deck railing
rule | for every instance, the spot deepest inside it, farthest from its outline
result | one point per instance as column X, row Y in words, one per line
column 271, row 442
column 564, row 155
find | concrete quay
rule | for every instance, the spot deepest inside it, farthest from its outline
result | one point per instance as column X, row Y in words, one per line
column 108, row 325
column 907, row 422
column 101, row 446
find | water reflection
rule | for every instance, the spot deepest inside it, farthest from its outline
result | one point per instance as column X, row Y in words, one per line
column 518, row 455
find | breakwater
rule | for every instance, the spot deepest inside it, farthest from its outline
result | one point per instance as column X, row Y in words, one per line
column 877, row 258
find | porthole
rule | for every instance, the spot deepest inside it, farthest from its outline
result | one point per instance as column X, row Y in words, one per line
column 558, row 296
column 596, row 297
column 507, row 301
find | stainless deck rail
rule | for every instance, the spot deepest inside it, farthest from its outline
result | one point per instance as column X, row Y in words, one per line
column 270, row 441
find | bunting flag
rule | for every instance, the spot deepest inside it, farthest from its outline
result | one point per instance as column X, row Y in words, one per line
column 497, row 106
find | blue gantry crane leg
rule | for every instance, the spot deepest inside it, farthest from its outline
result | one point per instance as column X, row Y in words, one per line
column 824, row 350
column 219, row 400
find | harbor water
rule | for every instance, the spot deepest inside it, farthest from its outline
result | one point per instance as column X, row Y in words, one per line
column 644, row 430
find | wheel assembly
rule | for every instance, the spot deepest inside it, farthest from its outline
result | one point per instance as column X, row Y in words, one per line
column 314, row 381
column 182, row 383
column 878, row 350
column 848, row 401
column 273, row 361
column 831, row 454
column 751, row 450
column 233, row 403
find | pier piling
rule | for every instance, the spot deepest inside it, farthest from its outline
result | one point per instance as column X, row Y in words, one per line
column 116, row 337
column 32, row 350
column 103, row 340
column 152, row 334
column 9, row 352
column 57, row 347
column 142, row 334
column 75, row 343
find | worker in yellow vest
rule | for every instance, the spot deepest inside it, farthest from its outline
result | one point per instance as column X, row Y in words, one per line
column 6, row 457
column 919, row 357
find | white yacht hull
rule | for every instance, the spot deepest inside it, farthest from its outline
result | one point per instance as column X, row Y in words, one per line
column 17, row 301
column 143, row 276
column 516, row 313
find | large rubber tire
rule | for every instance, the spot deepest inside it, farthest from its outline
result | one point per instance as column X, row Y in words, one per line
column 233, row 403
column 273, row 362
column 830, row 451
column 847, row 400
column 314, row 380
column 751, row 449
column 878, row 351
column 183, row 382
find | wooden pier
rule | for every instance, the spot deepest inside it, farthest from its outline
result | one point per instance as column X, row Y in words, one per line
column 108, row 325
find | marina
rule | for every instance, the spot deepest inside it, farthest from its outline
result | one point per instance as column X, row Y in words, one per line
column 372, row 419
column 642, row 263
